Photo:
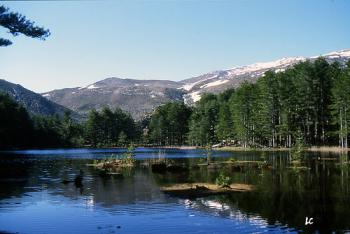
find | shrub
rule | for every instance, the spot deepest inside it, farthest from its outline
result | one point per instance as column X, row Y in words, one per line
column 223, row 180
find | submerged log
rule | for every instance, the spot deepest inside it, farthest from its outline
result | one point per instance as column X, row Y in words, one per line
column 195, row 190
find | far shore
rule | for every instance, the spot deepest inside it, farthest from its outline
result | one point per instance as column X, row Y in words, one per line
column 334, row 149
column 331, row 149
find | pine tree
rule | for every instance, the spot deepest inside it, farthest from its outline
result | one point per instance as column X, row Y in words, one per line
column 122, row 139
column 241, row 106
column 224, row 127
column 18, row 24
column 204, row 121
column 169, row 124
column 341, row 105
column 16, row 127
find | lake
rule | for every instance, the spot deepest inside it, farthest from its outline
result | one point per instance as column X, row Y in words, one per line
column 33, row 198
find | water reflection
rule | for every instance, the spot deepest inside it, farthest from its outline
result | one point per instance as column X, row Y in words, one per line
column 32, row 187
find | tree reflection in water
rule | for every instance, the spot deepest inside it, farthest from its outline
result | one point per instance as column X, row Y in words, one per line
column 284, row 196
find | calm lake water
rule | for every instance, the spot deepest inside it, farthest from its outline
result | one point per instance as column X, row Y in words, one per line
column 33, row 198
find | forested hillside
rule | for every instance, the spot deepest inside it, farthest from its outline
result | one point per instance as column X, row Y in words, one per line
column 20, row 130
column 34, row 103
column 309, row 102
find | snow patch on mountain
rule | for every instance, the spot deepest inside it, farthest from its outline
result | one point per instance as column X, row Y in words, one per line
column 218, row 81
column 337, row 54
column 215, row 83
column 195, row 96
column 92, row 87
column 236, row 71
column 280, row 70
column 188, row 87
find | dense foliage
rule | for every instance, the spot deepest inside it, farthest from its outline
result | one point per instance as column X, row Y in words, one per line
column 307, row 104
column 169, row 124
column 18, row 24
column 110, row 128
column 310, row 101
column 15, row 124
column 20, row 130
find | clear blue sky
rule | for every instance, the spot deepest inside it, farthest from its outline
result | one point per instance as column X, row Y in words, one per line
column 93, row 40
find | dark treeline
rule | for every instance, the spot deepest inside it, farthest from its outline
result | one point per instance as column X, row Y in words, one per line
column 169, row 124
column 308, row 103
column 111, row 128
column 102, row 129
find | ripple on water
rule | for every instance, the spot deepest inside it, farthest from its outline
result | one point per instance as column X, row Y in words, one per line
column 56, row 214
column 37, row 198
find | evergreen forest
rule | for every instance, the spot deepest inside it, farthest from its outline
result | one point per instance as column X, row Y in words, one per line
column 309, row 102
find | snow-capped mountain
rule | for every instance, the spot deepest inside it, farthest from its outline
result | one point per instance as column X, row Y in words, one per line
column 218, row 81
column 140, row 97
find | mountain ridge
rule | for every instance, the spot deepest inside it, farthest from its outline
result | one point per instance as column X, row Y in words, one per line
column 218, row 81
column 141, row 97
column 33, row 102
column 138, row 97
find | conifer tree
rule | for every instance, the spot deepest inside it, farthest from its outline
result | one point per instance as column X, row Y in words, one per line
column 19, row 24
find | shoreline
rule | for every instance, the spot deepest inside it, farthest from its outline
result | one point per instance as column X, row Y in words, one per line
column 332, row 149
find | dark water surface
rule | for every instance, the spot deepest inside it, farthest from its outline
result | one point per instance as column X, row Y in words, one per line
column 33, row 198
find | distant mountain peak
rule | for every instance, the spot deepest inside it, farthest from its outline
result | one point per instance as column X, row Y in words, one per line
column 278, row 62
column 218, row 81
column 140, row 97
column 337, row 54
